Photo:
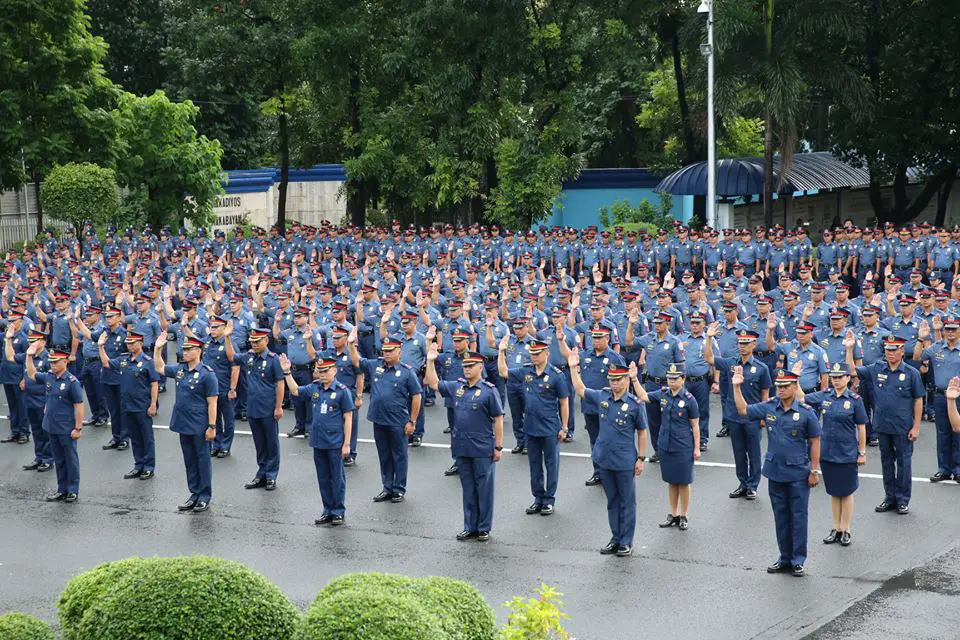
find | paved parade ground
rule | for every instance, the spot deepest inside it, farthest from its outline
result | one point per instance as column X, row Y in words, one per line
column 899, row 578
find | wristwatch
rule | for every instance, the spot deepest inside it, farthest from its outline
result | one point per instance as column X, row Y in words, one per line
column 862, row 452
column 641, row 458
column 498, row 448
column 815, row 472
column 211, row 426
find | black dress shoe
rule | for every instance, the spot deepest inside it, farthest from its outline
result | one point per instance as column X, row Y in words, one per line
column 832, row 537
column 779, row 567
column 324, row 519
column 940, row 476
column 751, row 494
column 55, row 497
column 397, row 498
column 903, row 509
column 187, row 506
column 448, row 430
column 516, row 449
column 31, row 467
column 133, row 473
column 624, row 550
column 845, row 539
column 123, row 446
column 466, row 535
column 416, row 441
column 534, row 508
column 223, row 453
column 201, row 506
column 146, row 475
column 797, row 571
column 669, row 522
column 682, row 523
column 723, row 433
column 101, row 423
column 654, row 458
column 429, row 403
column 113, row 444
column 23, row 439
column 704, row 446
column 256, row 483
column 349, row 462
column 452, row 471
column 524, row 450
column 483, row 536
column 609, row 549
column 336, row 521
column 294, row 433
column 214, row 453
column 44, row 466
column 383, row 496
column 71, row 497
column 546, row 510
column 270, row 485
column 885, row 506
column 739, row 492
column 10, row 438
column 592, row 481
column 88, row 422
column 568, row 437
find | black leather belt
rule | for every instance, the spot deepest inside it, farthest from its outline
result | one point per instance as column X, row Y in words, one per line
column 941, row 390
column 489, row 358
column 655, row 379
column 811, row 390
column 95, row 359
column 563, row 367
column 365, row 333
column 763, row 354
column 301, row 367
column 696, row 378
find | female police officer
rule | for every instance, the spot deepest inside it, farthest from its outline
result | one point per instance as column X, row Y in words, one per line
column 843, row 446
column 621, row 416
column 679, row 441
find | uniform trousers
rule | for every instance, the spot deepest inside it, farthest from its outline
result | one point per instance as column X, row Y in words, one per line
column 226, row 420
column 948, row 442
column 94, row 390
column 745, row 439
column 896, row 457
column 67, row 462
column 701, row 392
column 477, row 481
column 302, row 407
column 266, row 441
column 621, row 490
column 41, row 439
column 196, row 459
column 517, row 401
column 867, row 394
column 16, row 410
column 140, row 428
column 422, row 416
column 591, row 422
column 653, row 414
column 789, row 501
column 493, row 376
column 332, row 481
column 392, row 451
column 544, row 455
column 112, row 394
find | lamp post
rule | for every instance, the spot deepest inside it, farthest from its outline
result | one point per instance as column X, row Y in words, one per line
column 705, row 11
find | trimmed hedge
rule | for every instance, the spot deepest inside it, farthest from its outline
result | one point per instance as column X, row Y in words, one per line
column 369, row 614
column 455, row 609
column 188, row 598
column 19, row 626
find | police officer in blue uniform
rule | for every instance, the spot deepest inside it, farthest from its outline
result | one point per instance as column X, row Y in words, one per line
column 352, row 377
column 11, row 374
column 943, row 357
column 91, row 370
column 139, row 386
column 194, row 417
column 34, row 399
column 265, row 387
column 517, row 355
column 219, row 355
column 791, row 464
column 843, row 448
column 547, row 406
column 115, row 346
column 679, row 442
column 62, row 419
column 330, row 427
column 699, row 373
column 477, row 439
column 620, row 448
column 449, row 367
column 657, row 351
column 300, row 346
column 395, row 404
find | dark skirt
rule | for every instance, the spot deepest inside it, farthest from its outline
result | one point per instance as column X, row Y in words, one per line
column 840, row 479
column 676, row 467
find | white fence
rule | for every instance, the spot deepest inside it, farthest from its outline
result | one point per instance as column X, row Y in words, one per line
column 18, row 216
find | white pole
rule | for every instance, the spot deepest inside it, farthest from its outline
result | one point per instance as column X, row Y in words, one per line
column 711, row 133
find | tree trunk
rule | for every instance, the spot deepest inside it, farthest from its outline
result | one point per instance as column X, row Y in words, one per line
column 942, row 199
column 768, row 169
column 689, row 142
column 359, row 190
column 284, row 167
column 36, row 178
column 904, row 209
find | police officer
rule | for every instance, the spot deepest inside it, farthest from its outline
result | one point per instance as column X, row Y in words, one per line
column 477, row 438
column 450, row 368
column 395, row 403
column 791, row 464
column 62, row 419
column 518, row 355
column 90, row 368
column 657, row 351
column 814, row 359
column 351, row 377
column 34, row 399
column 679, row 442
column 843, row 448
column 620, row 449
column 413, row 353
column 330, row 427
column 194, row 407
column 219, row 355
column 115, row 346
column 265, row 387
column 301, row 348
column 893, row 384
column 487, row 344
column 139, row 386
column 943, row 357
column 11, row 374
column 546, row 404
column 699, row 373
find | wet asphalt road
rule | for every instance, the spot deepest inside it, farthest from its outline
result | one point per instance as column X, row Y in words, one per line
column 899, row 579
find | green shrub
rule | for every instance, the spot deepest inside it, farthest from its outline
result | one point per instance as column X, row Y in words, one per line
column 190, row 598
column 85, row 589
column 460, row 607
column 370, row 614
column 538, row 618
column 19, row 626
column 77, row 192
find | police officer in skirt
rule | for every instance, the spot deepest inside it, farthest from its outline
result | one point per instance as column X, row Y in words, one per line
column 194, row 417
column 622, row 434
column 62, row 419
column 330, row 427
column 477, row 438
column 843, row 447
column 791, row 464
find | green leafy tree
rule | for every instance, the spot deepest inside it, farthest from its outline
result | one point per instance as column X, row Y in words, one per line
column 136, row 33
column 539, row 618
column 54, row 96
column 163, row 160
column 76, row 193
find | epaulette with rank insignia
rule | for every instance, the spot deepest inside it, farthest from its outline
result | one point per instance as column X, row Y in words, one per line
column 489, row 384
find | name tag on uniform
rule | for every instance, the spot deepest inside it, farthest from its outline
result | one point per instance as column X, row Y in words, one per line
column 323, row 408
column 796, row 418
column 666, row 347
column 397, row 374
column 846, row 404
column 903, row 377
column 753, row 369
column 681, row 404
column 811, row 356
